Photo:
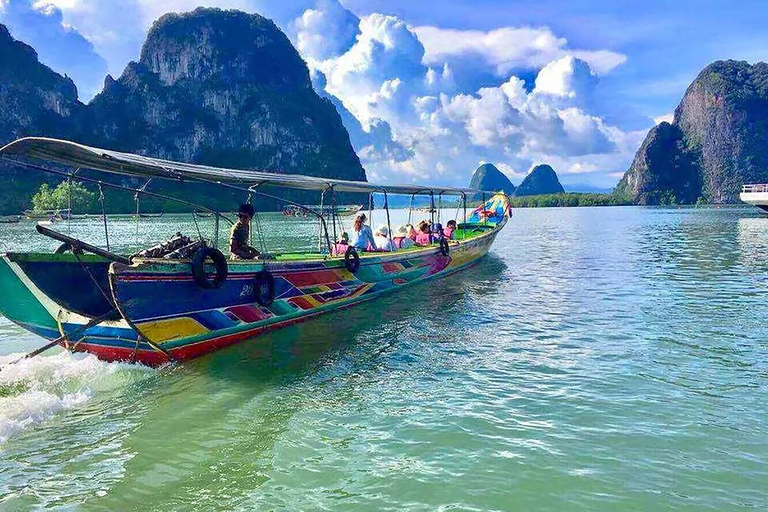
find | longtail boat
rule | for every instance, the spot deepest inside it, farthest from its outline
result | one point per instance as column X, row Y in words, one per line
column 156, row 309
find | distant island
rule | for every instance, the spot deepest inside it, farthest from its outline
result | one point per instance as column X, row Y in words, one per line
column 540, row 188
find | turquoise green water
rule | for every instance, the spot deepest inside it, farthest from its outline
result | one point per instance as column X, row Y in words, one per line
column 598, row 359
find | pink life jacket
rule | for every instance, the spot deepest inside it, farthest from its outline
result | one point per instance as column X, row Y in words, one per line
column 340, row 248
column 448, row 233
column 423, row 239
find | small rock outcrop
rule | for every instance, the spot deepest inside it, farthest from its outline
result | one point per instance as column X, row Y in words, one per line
column 489, row 177
column 541, row 180
column 717, row 141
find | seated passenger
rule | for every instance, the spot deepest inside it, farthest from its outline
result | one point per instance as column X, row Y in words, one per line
column 450, row 229
column 401, row 238
column 362, row 236
column 382, row 241
column 340, row 248
column 423, row 237
column 437, row 232
column 411, row 232
column 239, row 248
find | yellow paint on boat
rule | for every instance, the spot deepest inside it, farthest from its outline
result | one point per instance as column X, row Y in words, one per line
column 161, row 331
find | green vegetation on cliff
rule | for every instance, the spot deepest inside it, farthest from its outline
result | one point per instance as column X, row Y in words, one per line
column 570, row 199
column 541, row 180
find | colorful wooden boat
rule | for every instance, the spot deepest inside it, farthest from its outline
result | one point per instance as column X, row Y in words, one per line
column 55, row 294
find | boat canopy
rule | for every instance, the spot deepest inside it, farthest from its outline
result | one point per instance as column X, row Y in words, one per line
column 77, row 155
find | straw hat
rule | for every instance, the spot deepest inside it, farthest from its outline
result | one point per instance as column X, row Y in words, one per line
column 382, row 230
column 402, row 231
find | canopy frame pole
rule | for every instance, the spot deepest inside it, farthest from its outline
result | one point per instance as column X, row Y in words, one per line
column 104, row 214
column 333, row 212
column 432, row 206
column 410, row 209
column 216, row 230
column 370, row 208
column 69, row 205
column 389, row 225
column 320, row 225
column 464, row 200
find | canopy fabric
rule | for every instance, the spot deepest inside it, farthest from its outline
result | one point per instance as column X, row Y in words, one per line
column 492, row 211
column 73, row 154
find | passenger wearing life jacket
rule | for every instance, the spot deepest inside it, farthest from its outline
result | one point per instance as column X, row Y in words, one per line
column 437, row 232
column 362, row 236
column 401, row 238
column 411, row 232
column 340, row 247
column 423, row 237
column 450, row 229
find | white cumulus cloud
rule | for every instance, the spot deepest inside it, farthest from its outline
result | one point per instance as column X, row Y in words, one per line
column 506, row 49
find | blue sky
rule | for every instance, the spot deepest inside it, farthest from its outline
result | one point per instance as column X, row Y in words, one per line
column 431, row 90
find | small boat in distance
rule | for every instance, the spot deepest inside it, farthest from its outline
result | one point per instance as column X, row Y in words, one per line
column 183, row 298
column 10, row 219
column 756, row 195
column 307, row 210
column 48, row 215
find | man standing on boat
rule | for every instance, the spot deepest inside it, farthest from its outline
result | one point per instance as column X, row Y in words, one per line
column 239, row 249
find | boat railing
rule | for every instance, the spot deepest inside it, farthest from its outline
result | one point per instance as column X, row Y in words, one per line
column 755, row 188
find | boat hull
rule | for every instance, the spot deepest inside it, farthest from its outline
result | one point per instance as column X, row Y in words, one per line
column 190, row 321
column 165, row 316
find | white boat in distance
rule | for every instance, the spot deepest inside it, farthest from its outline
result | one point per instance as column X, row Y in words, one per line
column 756, row 195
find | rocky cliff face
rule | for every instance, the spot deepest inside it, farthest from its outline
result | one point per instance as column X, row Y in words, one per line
column 488, row 177
column 717, row 142
column 34, row 100
column 663, row 170
column 541, row 180
column 224, row 88
column 216, row 87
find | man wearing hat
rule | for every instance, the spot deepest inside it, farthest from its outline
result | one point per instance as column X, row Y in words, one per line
column 240, row 235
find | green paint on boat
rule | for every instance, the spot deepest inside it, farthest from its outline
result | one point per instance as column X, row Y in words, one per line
column 25, row 308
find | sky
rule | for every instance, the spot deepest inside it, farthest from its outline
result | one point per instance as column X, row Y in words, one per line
column 430, row 90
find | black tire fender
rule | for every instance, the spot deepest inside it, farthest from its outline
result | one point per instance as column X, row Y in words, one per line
column 264, row 288
column 198, row 267
column 445, row 249
column 352, row 260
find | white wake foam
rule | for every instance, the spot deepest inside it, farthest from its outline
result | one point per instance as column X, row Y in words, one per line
column 34, row 390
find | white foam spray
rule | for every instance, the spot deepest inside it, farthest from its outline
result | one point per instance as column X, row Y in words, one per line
column 34, row 390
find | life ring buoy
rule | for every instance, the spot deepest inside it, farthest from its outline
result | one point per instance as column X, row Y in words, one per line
column 352, row 260
column 198, row 267
column 445, row 249
column 264, row 287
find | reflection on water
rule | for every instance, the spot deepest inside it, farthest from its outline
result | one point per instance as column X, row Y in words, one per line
column 598, row 359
